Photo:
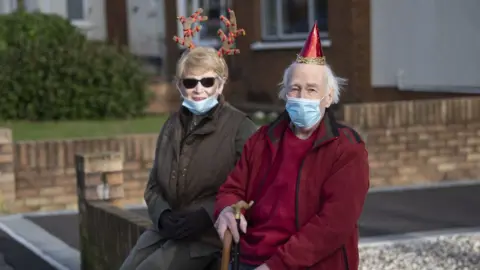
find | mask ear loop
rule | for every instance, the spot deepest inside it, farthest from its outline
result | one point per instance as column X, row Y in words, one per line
column 179, row 88
column 221, row 85
column 322, row 99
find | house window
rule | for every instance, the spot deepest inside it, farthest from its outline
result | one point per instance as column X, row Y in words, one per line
column 7, row 6
column 293, row 19
column 211, row 8
column 76, row 10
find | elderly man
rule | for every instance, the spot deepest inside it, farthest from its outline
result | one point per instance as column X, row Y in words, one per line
column 307, row 175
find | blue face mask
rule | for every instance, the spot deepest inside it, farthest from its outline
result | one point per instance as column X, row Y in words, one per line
column 304, row 113
column 202, row 106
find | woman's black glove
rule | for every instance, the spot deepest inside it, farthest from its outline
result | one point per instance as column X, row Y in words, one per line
column 193, row 223
column 169, row 223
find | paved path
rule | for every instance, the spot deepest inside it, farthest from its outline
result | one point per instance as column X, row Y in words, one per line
column 386, row 213
column 15, row 256
column 417, row 210
column 50, row 252
column 3, row 264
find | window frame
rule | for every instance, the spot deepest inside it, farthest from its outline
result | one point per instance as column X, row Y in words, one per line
column 280, row 36
column 182, row 11
column 9, row 6
column 85, row 5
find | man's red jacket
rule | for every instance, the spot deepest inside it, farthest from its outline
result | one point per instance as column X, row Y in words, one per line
column 330, row 192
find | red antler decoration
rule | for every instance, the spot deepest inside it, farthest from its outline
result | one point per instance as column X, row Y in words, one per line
column 188, row 32
column 229, row 41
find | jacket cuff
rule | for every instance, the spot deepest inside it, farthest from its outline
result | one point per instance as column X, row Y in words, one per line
column 157, row 210
column 276, row 263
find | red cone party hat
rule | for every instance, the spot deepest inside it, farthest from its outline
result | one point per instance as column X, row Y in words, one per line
column 312, row 52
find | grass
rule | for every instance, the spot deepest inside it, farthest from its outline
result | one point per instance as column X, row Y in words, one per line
column 23, row 130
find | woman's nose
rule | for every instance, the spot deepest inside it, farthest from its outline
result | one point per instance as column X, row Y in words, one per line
column 198, row 88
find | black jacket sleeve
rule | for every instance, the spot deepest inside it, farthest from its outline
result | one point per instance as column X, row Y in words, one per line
column 154, row 199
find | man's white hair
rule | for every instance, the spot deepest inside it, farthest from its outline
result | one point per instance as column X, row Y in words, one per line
column 332, row 83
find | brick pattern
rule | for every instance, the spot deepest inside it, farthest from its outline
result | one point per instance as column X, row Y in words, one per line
column 412, row 113
column 45, row 170
column 408, row 142
column 104, row 249
column 419, row 154
column 7, row 177
column 413, row 142
column 100, row 177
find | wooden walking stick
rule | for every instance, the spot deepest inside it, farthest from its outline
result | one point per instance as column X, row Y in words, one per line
column 228, row 243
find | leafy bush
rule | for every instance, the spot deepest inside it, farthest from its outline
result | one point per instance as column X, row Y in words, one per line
column 50, row 71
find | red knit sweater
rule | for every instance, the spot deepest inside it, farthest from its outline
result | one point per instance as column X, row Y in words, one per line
column 271, row 221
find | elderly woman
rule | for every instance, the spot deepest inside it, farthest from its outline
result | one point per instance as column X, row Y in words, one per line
column 307, row 175
column 197, row 148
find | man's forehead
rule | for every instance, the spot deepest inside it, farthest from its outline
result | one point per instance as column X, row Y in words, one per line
column 312, row 74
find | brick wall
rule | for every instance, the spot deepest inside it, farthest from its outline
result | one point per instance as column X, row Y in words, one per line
column 420, row 141
column 7, row 177
column 107, row 233
column 409, row 142
column 45, row 170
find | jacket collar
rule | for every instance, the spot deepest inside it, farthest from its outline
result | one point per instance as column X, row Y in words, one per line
column 328, row 129
column 182, row 119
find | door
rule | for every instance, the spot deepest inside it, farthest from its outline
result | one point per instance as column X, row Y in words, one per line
column 146, row 27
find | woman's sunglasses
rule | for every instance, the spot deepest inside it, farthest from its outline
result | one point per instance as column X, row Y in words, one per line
column 190, row 83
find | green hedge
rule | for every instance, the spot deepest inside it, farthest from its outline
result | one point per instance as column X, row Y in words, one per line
column 49, row 71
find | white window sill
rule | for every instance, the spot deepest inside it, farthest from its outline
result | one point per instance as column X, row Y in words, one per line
column 214, row 43
column 263, row 45
column 83, row 24
column 441, row 89
column 282, row 45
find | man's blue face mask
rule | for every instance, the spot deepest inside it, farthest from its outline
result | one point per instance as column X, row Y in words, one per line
column 304, row 113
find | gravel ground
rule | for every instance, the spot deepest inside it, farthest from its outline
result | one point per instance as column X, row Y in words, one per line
column 456, row 252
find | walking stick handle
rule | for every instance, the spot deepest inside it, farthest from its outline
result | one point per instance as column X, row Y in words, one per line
column 228, row 237
column 239, row 206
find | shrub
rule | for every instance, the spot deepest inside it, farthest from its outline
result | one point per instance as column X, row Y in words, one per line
column 50, row 71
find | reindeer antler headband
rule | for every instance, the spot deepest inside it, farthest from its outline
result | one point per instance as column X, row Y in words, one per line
column 228, row 40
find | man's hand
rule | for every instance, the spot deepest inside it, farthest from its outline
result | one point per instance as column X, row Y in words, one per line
column 262, row 267
column 226, row 220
